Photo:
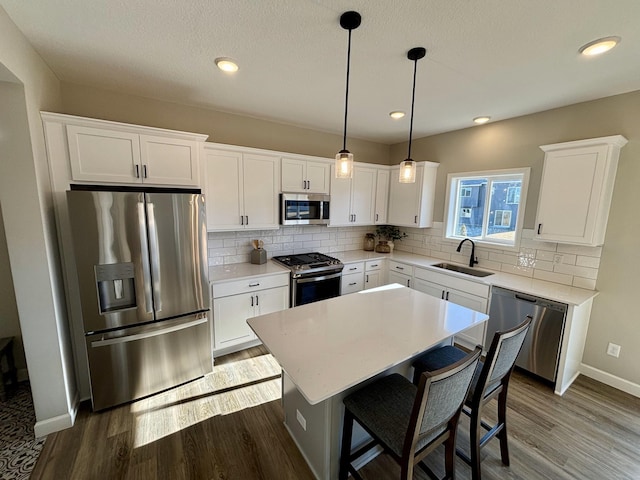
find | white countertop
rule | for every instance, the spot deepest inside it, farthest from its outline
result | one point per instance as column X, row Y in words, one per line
column 329, row 346
column 237, row 271
column 540, row 288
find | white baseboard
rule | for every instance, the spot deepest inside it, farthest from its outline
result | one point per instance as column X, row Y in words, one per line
column 611, row 380
column 43, row 428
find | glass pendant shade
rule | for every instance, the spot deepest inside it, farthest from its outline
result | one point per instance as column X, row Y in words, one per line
column 407, row 171
column 344, row 164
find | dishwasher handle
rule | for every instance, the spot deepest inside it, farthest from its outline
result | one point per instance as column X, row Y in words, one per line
column 525, row 298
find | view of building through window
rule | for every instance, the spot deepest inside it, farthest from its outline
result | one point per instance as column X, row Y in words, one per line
column 485, row 207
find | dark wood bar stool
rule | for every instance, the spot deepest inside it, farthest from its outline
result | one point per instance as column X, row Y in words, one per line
column 6, row 352
column 490, row 380
column 409, row 422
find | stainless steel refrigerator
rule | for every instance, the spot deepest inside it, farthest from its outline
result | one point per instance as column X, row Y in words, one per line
column 141, row 260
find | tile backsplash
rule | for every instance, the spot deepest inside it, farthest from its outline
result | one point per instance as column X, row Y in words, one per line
column 566, row 264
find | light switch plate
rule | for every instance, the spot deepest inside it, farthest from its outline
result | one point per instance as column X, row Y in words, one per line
column 301, row 420
column 613, row 350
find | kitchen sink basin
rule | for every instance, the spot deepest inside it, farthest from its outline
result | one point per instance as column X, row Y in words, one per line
column 460, row 269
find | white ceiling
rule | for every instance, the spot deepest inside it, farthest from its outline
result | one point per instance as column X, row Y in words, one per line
column 502, row 58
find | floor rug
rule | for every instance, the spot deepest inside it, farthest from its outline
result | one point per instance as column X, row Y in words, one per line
column 19, row 449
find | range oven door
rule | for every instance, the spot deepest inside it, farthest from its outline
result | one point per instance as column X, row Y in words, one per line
column 312, row 289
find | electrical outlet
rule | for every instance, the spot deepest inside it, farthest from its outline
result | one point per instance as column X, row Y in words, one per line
column 613, row 350
column 557, row 259
column 301, row 420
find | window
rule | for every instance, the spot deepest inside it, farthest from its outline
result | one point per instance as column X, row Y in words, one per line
column 487, row 207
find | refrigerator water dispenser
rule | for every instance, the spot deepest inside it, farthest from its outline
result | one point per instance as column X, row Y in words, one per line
column 116, row 289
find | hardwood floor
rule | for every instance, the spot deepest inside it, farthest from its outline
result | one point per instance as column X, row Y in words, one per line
column 229, row 425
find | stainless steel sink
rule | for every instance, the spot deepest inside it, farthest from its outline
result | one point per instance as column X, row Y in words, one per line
column 460, row 269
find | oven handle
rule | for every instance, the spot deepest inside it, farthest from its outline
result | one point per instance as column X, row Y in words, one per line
column 318, row 279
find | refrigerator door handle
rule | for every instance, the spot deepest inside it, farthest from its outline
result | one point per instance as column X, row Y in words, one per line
column 144, row 256
column 140, row 336
column 154, row 255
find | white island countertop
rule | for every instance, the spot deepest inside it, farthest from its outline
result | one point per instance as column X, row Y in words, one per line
column 326, row 347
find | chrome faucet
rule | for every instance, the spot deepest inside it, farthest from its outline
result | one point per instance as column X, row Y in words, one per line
column 472, row 259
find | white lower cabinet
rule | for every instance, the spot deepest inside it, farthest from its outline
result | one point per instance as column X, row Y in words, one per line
column 352, row 278
column 467, row 293
column 400, row 273
column 237, row 300
column 373, row 274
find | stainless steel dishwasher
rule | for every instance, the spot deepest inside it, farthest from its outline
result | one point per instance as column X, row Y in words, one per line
column 541, row 349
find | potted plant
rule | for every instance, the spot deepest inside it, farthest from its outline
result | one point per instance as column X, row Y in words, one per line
column 389, row 233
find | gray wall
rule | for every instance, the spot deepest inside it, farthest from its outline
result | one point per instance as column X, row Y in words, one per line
column 515, row 143
column 27, row 86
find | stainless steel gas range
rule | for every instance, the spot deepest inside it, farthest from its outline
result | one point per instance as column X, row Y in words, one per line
column 314, row 276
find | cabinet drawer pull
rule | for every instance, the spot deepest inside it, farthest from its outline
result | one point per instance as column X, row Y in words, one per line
column 353, row 268
column 254, row 284
column 352, row 284
column 374, row 265
column 400, row 268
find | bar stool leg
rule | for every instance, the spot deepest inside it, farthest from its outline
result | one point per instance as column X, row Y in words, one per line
column 502, row 420
column 345, row 451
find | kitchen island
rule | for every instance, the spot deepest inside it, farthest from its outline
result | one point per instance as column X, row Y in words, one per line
column 328, row 349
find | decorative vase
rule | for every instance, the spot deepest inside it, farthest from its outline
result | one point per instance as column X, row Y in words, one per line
column 369, row 242
column 383, row 247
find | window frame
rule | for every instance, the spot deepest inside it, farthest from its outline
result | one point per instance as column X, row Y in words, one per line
column 451, row 204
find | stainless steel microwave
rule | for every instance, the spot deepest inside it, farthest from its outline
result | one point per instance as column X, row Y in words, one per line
column 304, row 209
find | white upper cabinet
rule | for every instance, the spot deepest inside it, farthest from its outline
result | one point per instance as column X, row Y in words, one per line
column 305, row 176
column 411, row 204
column 382, row 197
column 353, row 199
column 241, row 190
column 110, row 152
column 576, row 190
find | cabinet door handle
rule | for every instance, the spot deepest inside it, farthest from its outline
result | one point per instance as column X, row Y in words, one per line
column 447, row 299
column 144, row 170
column 409, row 282
column 308, row 184
column 415, row 220
column 137, row 171
column 366, row 279
column 256, row 300
column 539, row 228
column 442, row 296
column 252, row 300
column 354, row 217
column 254, row 284
column 241, row 219
column 304, row 184
column 376, row 217
column 247, row 220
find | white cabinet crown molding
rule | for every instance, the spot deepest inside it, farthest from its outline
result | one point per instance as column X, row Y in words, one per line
column 130, row 127
column 614, row 140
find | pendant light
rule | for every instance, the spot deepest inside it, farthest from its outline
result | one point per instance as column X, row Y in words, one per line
column 408, row 166
column 344, row 158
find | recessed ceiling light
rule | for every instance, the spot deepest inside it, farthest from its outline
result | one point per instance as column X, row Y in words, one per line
column 481, row 120
column 599, row 46
column 396, row 114
column 226, row 64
